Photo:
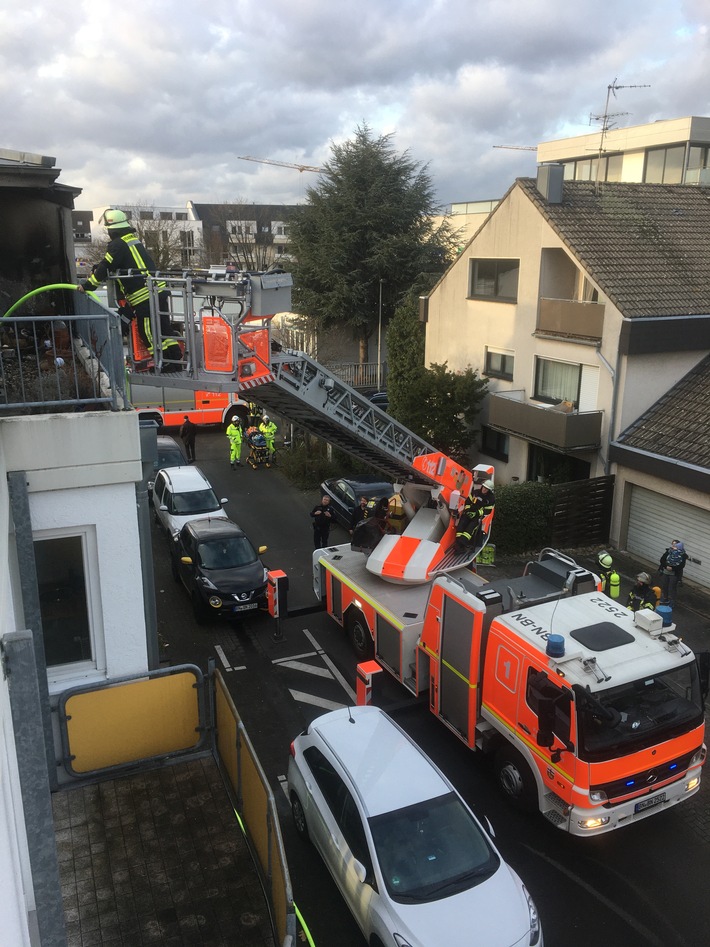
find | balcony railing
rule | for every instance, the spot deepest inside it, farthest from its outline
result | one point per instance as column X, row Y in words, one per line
column 546, row 425
column 571, row 318
column 61, row 363
column 358, row 375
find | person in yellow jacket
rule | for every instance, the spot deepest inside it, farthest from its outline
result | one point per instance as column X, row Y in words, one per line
column 234, row 433
column 125, row 253
column 268, row 429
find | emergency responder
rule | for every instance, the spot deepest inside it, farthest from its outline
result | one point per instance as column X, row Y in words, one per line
column 469, row 523
column 234, row 433
column 608, row 574
column 642, row 594
column 125, row 252
column 322, row 516
column 487, row 496
column 268, row 429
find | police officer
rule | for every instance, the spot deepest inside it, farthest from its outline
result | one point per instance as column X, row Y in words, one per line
column 469, row 523
column 608, row 574
column 126, row 252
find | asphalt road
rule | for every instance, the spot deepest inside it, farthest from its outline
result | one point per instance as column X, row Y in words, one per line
column 643, row 885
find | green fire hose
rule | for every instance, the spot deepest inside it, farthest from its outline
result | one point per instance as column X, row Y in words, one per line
column 46, row 289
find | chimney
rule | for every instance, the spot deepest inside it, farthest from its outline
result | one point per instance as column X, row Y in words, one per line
column 549, row 182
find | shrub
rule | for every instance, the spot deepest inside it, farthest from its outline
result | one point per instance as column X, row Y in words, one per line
column 523, row 517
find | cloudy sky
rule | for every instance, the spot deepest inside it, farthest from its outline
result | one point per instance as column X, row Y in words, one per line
column 154, row 101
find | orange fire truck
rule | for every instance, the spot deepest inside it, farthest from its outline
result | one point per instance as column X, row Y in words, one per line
column 168, row 405
column 593, row 715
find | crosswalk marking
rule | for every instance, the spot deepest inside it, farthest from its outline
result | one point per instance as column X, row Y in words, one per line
column 333, row 669
column 223, row 657
column 295, row 657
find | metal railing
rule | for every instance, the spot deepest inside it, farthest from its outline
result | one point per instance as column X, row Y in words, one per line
column 360, row 375
column 56, row 363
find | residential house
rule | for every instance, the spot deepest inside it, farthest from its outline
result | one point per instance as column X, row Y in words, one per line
column 584, row 303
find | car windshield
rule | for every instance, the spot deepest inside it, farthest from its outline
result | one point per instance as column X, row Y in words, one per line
column 431, row 850
column 170, row 457
column 196, row 501
column 227, row 553
column 639, row 714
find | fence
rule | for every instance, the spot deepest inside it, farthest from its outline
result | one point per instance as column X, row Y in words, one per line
column 582, row 512
column 50, row 363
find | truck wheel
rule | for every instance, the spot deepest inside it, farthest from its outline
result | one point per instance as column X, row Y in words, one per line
column 515, row 778
column 299, row 817
column 360, row 636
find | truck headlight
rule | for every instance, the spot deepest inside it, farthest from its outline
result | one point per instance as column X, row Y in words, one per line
column 593, row 823
column 598, row 795
column 698, row 758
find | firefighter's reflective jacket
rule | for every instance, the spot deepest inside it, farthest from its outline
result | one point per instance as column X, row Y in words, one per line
column 125, row 253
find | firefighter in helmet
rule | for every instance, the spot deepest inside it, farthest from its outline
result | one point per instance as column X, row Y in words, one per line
column 469, row 523
column 608, row 574
column 126, row 252
column 268, row 429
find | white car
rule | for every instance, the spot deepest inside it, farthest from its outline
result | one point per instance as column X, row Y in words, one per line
column 413, row 863
column 181, row 494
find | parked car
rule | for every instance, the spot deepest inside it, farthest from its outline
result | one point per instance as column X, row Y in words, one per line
column 220, row 569
column 381, row 399
column 345, row 494
column 181, row 494
column 170, row 454
column 412, row 862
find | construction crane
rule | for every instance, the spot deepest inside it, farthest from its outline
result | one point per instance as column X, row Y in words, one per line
column 281, row 164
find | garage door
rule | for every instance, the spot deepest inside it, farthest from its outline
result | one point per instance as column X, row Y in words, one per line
column 655, row 519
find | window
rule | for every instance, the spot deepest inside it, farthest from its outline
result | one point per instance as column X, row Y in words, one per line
column 551, row 704
column 166, row 215
column 145, row 215
column 65, row 599
column 495, row 279
column 180, row 215
column 664, row 165
column 494, row 443
column 187, row 238
column 557, row 381
column 499, row 364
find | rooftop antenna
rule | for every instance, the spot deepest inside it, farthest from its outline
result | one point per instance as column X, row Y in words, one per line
column 606, row 121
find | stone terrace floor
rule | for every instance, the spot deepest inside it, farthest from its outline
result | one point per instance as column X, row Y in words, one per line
column 158, row 858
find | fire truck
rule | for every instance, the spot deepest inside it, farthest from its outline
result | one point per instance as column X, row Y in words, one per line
column 593, row 714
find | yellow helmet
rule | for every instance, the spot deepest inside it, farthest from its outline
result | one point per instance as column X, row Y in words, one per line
column 112, row 218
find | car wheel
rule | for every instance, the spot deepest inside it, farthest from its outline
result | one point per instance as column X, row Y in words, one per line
column 299, row 817
column 200, row 610
column 360, row 637
column 515, row 779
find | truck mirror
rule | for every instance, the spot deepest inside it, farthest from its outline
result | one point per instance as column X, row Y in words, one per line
column 545, row 738
column 703, row 659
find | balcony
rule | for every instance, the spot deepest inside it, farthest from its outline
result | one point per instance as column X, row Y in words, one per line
column 61, row 363
column 545, row 425
column 571, row 319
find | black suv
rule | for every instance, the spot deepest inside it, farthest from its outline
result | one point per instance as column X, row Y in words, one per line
column 220, row 569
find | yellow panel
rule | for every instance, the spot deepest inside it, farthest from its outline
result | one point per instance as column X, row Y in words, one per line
column 226, row 721
column 132, row 721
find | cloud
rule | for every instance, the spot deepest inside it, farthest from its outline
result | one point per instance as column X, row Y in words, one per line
column 156, row 100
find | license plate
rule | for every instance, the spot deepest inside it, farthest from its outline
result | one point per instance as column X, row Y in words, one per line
column 244, row 608
column 650, row 802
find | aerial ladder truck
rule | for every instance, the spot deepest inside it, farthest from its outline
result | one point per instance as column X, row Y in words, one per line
column 594, row 714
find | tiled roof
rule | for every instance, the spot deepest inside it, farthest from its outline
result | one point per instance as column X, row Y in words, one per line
column 676, row 426
column 646, row 245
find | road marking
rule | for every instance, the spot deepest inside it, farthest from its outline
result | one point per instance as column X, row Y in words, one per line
column 294, row 657
column 307, row 668
column 283, row 783
column 315, row 701
column 223, row 657
column 335, row 672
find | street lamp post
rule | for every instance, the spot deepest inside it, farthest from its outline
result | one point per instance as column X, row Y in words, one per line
column 379, row 342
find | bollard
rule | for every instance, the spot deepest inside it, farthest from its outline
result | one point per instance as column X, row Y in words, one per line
column 363, row 684
column 277, row 596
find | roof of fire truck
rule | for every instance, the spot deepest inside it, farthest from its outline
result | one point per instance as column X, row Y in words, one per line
column 603, row 645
